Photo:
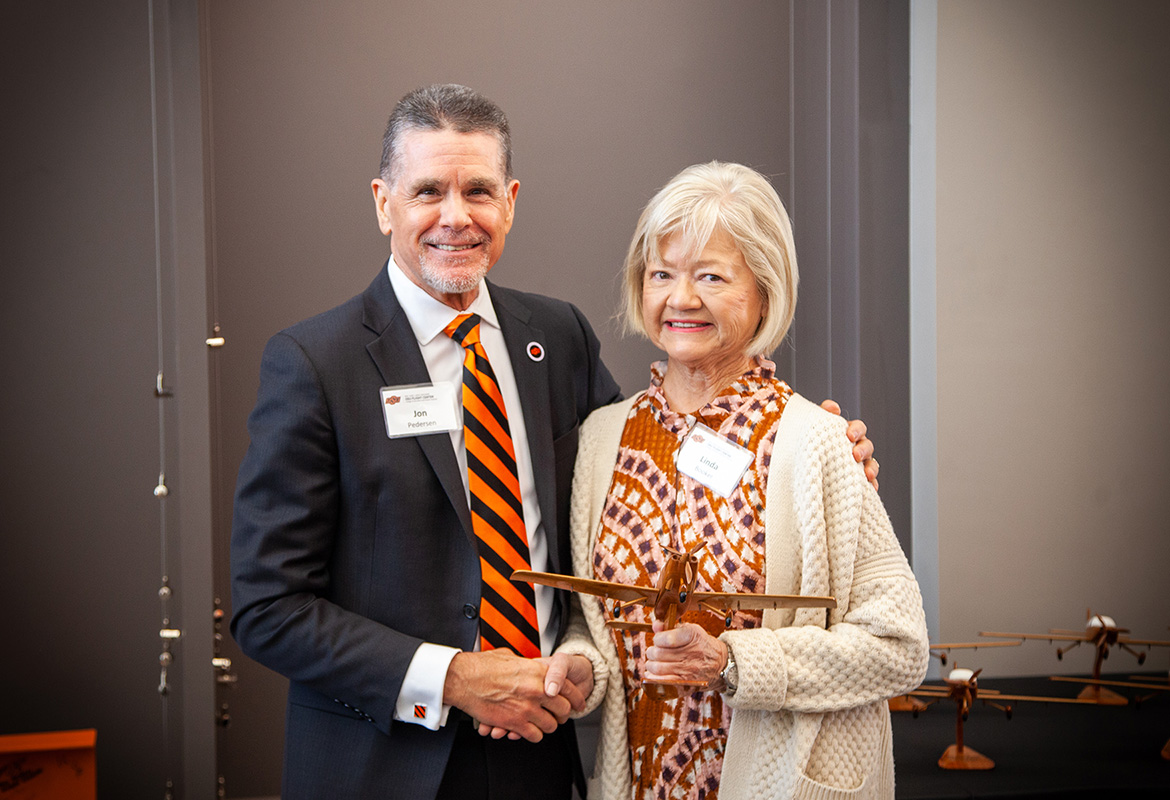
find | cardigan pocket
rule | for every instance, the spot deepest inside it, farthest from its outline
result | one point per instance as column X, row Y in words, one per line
column 808, row 789
column 852, row 744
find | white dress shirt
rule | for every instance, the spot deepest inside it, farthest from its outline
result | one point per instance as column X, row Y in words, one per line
column 422, row 687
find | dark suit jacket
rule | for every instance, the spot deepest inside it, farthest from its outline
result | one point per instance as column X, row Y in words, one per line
column 349, row 548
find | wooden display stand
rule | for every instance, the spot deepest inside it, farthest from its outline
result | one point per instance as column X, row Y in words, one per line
column 48, row 766
column 1102, row 696
column 959, row 757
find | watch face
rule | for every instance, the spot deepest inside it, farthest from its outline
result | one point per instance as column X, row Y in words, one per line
column 730, row 674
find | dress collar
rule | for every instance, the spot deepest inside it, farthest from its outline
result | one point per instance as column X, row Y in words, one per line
column 727, row 402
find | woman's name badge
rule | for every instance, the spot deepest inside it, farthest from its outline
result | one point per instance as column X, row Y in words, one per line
column 421, row 409
column 712, row 460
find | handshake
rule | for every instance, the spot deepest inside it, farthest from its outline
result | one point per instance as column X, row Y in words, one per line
column 521, row 698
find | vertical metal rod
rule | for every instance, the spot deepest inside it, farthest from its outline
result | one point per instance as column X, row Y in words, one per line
column 160, row 490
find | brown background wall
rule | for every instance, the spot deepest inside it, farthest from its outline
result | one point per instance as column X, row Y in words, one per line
column 1052, row 121
column 79, row 435
column 607, row 101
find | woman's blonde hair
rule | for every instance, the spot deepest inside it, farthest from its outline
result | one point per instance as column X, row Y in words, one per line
column 740, row 202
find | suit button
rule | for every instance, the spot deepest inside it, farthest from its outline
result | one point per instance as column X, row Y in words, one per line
column 470, row 612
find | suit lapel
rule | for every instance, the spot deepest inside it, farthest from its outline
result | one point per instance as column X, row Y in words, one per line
column 395, row 352
column 532, row 383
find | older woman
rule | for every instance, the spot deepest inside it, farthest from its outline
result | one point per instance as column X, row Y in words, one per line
column 792, row 702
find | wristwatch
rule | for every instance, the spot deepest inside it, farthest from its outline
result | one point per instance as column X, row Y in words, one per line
column 728, row 680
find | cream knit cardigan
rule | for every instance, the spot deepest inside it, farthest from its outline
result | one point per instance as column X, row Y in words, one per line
column 810, row 718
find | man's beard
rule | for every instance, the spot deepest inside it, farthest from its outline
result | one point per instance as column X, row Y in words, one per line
column 449, row 281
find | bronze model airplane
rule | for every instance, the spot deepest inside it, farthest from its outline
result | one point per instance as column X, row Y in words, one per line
column 674, row 595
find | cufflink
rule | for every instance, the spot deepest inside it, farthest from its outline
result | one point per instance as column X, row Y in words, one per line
column 420, row 711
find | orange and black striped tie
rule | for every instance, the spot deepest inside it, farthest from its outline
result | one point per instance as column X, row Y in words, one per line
column 507, row 612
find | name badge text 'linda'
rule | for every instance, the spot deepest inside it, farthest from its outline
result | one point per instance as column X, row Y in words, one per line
column 713, row 461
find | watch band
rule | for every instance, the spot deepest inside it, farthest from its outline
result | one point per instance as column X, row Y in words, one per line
column 730, row 673
column 727, row 681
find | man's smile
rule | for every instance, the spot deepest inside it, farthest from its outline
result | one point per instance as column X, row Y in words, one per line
column 453, row 248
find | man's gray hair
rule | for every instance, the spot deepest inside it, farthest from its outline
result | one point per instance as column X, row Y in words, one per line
column 439, row 107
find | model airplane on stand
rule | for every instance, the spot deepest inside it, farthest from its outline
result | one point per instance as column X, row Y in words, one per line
column 940, row 651
column 962, row 686
column 1101, row 632
column 674, row 595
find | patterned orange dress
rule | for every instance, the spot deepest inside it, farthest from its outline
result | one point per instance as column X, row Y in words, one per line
column 677, row 744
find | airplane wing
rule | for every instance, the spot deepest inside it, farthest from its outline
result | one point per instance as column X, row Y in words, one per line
column 615, row 591
column 1099, row 682
column 623, row 625
column 742, row 600
column 1143, row 642
column 941, row 650
column 944, row 688
column 1048, row 637
column 927, row 690
column 1034, row 698
column 925, row 693
column 995, row 697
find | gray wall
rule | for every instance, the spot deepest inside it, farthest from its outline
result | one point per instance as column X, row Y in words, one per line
column 1053, row 144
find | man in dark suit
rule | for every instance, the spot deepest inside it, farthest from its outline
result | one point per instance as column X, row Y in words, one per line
column 355, row 570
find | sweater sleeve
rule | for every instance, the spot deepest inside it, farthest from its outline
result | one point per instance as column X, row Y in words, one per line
column 578, row 641
column 592, row 472
column 874, row 645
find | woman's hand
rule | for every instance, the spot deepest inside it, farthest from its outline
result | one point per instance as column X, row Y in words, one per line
column 686, row 653
column 862, row 447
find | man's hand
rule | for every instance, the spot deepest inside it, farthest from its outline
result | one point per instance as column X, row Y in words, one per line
column 570, row 677
column 862, row 447
column 686, row 653
column 503, row 691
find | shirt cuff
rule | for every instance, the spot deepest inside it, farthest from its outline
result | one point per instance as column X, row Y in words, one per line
column 420, row 700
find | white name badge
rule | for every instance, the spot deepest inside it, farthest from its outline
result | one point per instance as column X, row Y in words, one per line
column 712, row 460
column 422, row 409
